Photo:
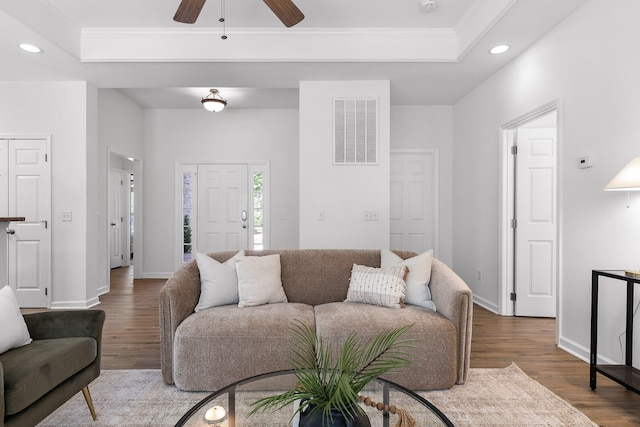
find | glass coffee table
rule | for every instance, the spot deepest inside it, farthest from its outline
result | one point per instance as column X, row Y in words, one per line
column 233, row 404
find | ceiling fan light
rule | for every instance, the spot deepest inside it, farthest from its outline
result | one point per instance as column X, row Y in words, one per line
column 213, row 101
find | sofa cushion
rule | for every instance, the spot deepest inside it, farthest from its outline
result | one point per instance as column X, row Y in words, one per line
column 379, row 286
column 216, row 347
column 418, row 277
column 218, row 281
column 14, row 332
column 436, row 338
column 33, row 370
column 259, row 280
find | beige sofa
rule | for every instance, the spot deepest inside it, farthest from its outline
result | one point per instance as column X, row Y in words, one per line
column 209, row 349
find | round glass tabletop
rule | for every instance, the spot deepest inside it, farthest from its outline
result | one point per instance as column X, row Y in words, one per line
column 230, row 406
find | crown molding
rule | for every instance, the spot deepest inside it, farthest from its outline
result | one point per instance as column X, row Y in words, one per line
column 253, row 45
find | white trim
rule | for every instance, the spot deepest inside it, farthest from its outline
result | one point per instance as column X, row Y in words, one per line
column 505, row 306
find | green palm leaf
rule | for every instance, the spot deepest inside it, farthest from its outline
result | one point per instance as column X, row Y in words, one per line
column 324, row 384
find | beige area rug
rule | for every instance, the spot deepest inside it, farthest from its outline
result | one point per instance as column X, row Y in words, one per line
column 491, row 397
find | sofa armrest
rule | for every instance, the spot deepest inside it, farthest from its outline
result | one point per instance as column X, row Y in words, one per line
column 178, row 298
column 66, row 323
column 454, row 300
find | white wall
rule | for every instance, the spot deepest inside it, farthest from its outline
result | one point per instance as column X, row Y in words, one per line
column 342, row 192
column 120, row 130
column 67, row 112
column 196, row 135
column 430, row 126
column 590, row 63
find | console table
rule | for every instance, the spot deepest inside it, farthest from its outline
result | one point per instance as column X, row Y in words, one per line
column 626, row 374
column 4, row 248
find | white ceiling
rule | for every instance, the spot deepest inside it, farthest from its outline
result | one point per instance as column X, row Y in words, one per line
column 135, row 46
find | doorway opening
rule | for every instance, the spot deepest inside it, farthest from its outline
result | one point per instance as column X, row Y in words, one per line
column 124, row 218
column 529, row 223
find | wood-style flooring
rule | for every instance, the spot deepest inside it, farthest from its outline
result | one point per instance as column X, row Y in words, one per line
column 131, row 340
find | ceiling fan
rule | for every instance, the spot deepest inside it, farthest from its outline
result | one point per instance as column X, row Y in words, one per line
column 285, row 10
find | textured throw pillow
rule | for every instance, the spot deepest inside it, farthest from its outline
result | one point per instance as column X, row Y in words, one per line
column 218, row 281
column 259, row 280
column 418, row 278
column 13, row 332
column 378, row 286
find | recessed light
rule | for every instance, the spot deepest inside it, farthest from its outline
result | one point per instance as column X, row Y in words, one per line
column 29, row 48
column 497, row 50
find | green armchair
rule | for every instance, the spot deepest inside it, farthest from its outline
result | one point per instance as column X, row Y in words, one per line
column 62, row 360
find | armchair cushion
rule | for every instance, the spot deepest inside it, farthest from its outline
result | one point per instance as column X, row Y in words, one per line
column 33, row 370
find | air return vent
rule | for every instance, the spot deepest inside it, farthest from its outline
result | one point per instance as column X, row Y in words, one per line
column 355, row 131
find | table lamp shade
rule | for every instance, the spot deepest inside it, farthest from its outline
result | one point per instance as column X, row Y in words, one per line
column 628, row 179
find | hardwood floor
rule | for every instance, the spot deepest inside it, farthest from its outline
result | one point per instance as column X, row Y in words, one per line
column 131, row 341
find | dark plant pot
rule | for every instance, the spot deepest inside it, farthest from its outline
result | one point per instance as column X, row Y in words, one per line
column 337, row 420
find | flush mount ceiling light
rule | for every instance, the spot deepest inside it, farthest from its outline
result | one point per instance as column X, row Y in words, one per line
column 427, row 5
column 29, row 48
column 497, row 50
column 213, row 101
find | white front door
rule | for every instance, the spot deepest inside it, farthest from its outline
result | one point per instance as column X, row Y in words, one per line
column 414, row 202
column 536, row 227
column 4, row 179
column 222, row 207
column 115, row 219
column 29, row 196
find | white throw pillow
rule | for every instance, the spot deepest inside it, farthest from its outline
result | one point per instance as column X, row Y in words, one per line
column 378, row 286
column 418, row 291
column 259, row 280
column 218, row 281
column 13, row 332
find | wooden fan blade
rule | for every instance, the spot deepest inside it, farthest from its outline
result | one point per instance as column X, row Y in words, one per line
column 286, row 11
column 188, row 11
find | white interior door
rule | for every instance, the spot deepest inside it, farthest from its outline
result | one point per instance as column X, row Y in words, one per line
column 222, row 207
column 29, row 196
column 4, row 177
column 414, row 201
column 116, row 219
column 536, row 228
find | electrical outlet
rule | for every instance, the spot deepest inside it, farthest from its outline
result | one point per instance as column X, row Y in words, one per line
column 66, row 215
column 370, row 215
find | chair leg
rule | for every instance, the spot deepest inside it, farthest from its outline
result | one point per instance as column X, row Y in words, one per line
column 87, row 397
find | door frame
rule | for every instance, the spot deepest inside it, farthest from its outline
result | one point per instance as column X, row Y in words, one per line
column 125, row 209
column 138, row 224
column 5, row 251
column 252, row 168
column 507, row 132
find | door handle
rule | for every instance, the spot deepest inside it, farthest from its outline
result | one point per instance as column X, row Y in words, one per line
column 113, row 224
column 11, row 231
column 243, row 215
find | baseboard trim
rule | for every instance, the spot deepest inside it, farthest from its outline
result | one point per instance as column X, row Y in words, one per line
column 66, row 305
column 492, row 307
column 156, row 275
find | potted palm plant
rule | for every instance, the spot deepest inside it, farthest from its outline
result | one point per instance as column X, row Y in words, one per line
column 328, row 390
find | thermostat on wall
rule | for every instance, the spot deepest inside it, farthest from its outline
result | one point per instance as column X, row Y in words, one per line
column 584, row 162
